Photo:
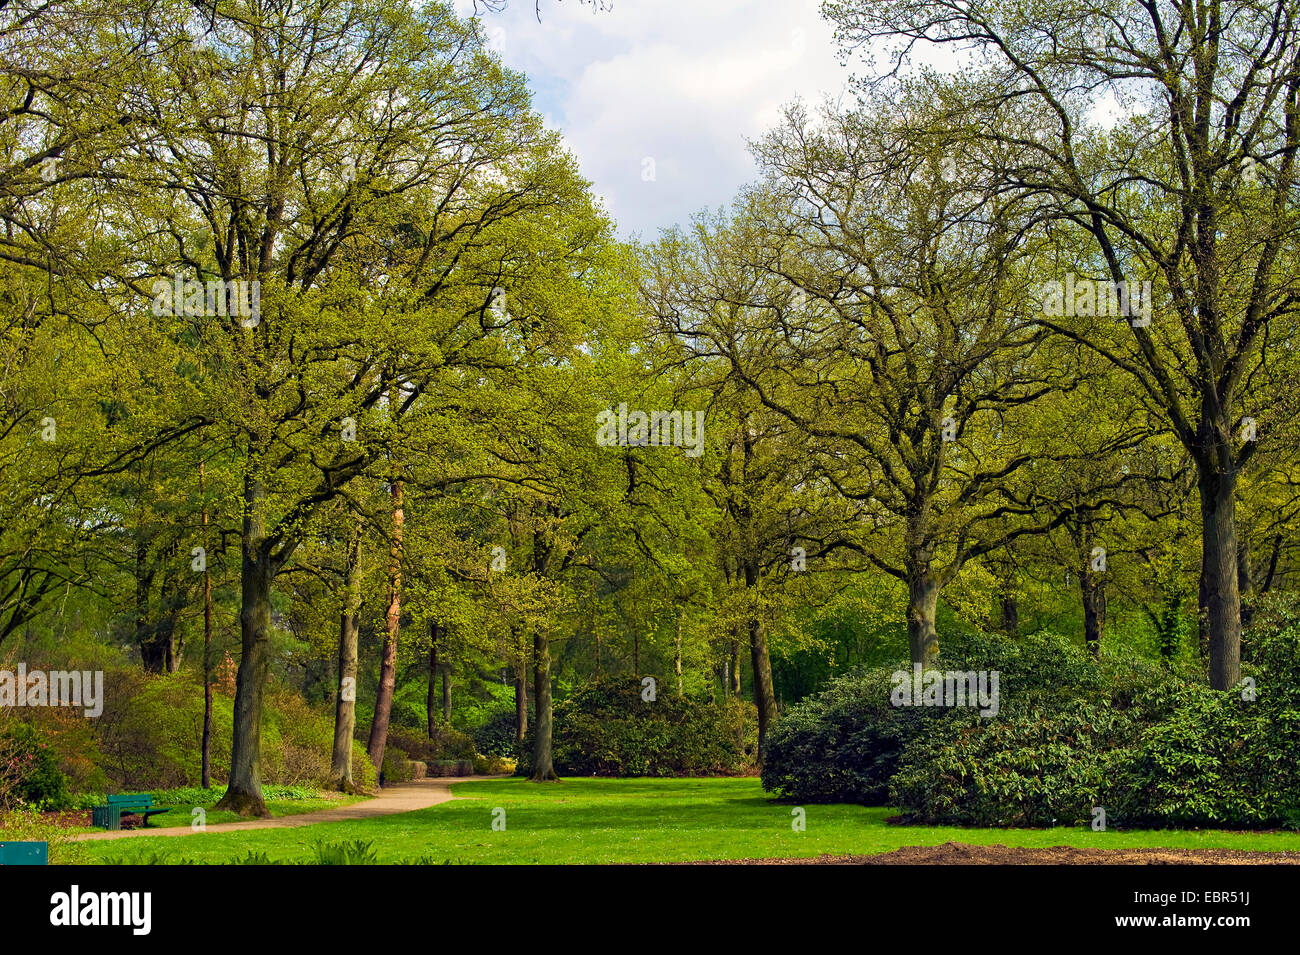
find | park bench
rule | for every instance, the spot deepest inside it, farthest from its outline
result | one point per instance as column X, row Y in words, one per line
column 124, row 804
column 24, row 853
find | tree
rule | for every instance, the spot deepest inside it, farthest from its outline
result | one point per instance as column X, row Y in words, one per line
column 1194, row 187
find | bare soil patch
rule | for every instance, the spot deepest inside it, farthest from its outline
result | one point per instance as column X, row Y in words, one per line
column 960, row 853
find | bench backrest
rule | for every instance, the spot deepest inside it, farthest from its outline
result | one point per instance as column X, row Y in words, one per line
column 131, row 799
column 24, row 853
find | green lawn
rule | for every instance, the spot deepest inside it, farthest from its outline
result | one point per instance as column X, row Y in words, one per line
column 634, row 820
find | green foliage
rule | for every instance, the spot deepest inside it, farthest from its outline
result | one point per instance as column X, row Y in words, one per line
column 29, row 825
column 446, row 743
column 253, row 857
column 352, row 852
column 494, row 765
column 844, row 744
column 29, row 771
column 606, row 729
column 1026, row 768
column 397, row 765
column 198, row 796
column 1146, row 743
column 1220, row 758
column 495, row 736
column 148, row 739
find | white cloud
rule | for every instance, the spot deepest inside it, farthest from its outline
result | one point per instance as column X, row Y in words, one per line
column 684, row 82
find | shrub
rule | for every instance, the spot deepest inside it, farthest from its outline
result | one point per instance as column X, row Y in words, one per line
column 1152, row 747
column 844, row 744
column 495, row 736
column 198, row 796
column 29, row 771
column 606, row 729
column 397, row 767
column 494, row 765
column 1221, row 758
column 446, row 743
column 149, row 734
column 1039, row 767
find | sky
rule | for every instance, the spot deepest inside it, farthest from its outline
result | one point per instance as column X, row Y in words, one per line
column 666, row 88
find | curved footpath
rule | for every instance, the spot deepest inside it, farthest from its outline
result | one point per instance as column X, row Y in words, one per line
column 402, row 797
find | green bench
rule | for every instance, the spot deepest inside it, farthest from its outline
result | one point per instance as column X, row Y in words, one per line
column 24, row 853
column 124, row 804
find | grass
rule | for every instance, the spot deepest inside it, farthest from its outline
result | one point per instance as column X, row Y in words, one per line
column 634, row 820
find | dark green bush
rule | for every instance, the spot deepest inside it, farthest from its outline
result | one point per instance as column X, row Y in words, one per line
column 1221, row 758
column 1038, row 767
column 495, row 736
column 1151, row 746
column 29, row 770
column 606, row 729
column 844, row 744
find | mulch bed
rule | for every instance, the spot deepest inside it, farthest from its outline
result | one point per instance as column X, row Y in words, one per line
column 82, row 819
column 958, row 853
column 70, row 819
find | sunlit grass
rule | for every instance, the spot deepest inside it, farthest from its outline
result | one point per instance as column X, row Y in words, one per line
column 638, row 820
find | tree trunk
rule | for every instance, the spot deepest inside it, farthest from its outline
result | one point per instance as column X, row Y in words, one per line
column 677, row 656
column 1010, row 603
column 762, row 678
column 735, row 668
column 760, row 664
column 521, row 705
column 1010, row 615
column 1267, row 585
column 922, row 605
column 244, row 792
column 543, row 769
column 166, row 638
column 446, row 693
column 345, row 710
column 149, row 655
column 206, row 758
column 1093, row 592
column 1221, row 604
column 388, row 655
column 430, row 702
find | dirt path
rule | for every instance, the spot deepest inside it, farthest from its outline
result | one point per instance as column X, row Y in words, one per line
column 403, row 797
